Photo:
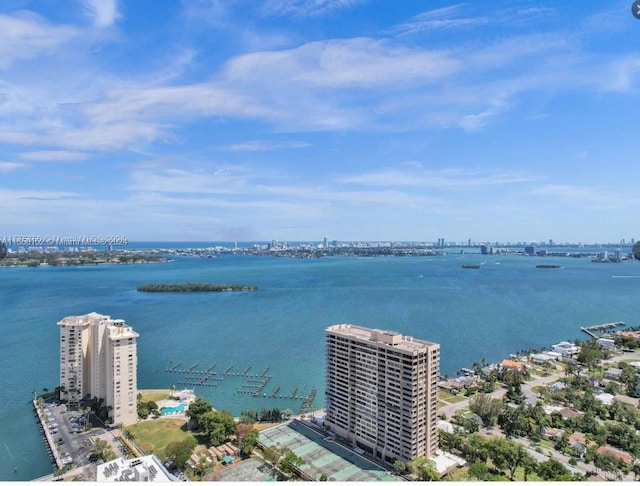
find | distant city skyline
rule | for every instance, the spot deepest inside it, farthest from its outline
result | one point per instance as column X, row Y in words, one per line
column 351, row 119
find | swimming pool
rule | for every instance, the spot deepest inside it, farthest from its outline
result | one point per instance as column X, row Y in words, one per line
column 177, row 408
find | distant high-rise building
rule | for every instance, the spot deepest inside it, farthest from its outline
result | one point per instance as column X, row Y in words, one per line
column 486, row 250
column 324, row 242
column 530, row 250
column 98, row 358
column 382, row 391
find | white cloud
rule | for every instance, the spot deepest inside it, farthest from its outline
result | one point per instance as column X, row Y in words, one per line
column 10, row 166
column 307, row 8
column 54, row 156
column 103, row 12
column 25, row 35
column 343, row 63
column 265, row 145
column 594, row 197
column 452, row 178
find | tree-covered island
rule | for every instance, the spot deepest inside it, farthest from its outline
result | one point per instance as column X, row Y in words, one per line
column 194, row 287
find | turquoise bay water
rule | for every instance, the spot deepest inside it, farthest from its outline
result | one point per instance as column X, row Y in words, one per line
column 278, row 330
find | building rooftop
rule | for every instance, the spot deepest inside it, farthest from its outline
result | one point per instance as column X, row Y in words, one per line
column 146, row 468
column 390, row 338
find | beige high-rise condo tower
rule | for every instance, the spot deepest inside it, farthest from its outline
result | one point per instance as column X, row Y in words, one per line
column 382, row 391
column 98, row 358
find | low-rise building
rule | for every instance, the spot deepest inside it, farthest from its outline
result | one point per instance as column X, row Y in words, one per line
column 508, row 364
column 622, row 455
column 626, row 400
column 566, row 349
column 607, row 343
column 606, row 398
column 541, row 358
column 553, row 433
column 146, row 468
column 613, row 373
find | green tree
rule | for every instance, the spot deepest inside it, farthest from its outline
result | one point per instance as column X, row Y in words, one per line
column 103, row 450
column 608, row 463
column 400, row 466
column 487, row 408
column 479, row 470
column 180, row 451
column 506, row 454
column 248, row 443
column 424, row 469
column 476, row 448
column 248, row 416
column 590, row 353
column 290, row 461
column 528, row 464
column 553, row 470
column 197, row 408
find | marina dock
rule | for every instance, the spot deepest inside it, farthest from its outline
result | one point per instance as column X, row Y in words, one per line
column 591, row 330
column 254, row 384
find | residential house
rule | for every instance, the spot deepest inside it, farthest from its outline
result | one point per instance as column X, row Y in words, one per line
column 633, row 402
column 608, row 344
column 553, row 433
column 606, row 398
column 508, row 364
column 622, row 455
column 613, row 373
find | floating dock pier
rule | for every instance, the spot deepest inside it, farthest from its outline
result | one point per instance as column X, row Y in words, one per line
column 601, row 328
column 251, row 383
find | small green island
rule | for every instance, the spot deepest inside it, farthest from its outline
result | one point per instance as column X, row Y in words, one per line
column 195, row 287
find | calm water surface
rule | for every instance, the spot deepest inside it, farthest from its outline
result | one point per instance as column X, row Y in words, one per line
column 506, row 306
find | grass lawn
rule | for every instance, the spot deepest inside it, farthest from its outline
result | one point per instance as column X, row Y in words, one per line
column 264, row 425
column 450, row 397
column 155, row 395
column 457, row 398
column 519, row 476
column 546, row 443
column 153, row 436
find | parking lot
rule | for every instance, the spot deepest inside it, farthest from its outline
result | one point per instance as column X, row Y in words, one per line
column 70, row 438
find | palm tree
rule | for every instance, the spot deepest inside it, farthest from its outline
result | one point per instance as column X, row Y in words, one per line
column 128, row 434
column 172, row 387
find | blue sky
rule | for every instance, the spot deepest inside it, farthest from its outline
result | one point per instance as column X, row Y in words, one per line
column 228, row 120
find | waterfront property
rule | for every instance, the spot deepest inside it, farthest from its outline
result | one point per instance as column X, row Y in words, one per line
column 566, row 349
column 98, row 358
column 382, row 392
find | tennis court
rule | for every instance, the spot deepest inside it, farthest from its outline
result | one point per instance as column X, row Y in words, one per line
column 323, row 456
